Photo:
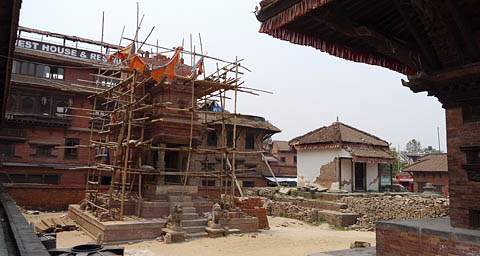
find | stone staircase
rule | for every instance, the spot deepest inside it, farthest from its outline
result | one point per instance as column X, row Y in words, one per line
column 193, row 224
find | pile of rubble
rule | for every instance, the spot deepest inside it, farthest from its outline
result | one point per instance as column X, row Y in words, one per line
column 290, row 210
column 372, row 209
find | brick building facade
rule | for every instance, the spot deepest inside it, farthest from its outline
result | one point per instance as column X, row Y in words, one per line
column 43, row 144
column 46, row 102
column 251, row 132
column 431, row 168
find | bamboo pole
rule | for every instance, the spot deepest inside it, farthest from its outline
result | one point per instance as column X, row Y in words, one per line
column 190, row 52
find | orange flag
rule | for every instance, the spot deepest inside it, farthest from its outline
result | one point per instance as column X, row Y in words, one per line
column 167, row 69
column 122, row 54
column 137, row 63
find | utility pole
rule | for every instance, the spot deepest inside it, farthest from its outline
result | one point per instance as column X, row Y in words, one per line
column 398, row 159
column 438, row 136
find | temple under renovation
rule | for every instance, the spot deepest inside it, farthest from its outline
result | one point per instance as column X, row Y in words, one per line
column 134, row 138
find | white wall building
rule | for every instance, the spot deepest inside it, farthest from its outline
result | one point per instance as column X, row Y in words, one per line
column 340, row 153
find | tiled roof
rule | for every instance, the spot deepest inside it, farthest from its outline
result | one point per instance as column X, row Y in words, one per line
column 338, row 132
column 370, row 153
column 429, row 163
column 282, row 145
column 242, row 120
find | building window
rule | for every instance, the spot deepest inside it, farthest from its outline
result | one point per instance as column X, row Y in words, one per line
column 230, row 139
column 61, row 107
column 71, row 152
column 474, row 215
column 18, row 177
column 51, row 179
column 212, row 138
column 16, row 67
column 54, row 73
column 27, row 105
column 38, row 70
column 250, row 141
column 211, row 166
column 45, row 105
column 283, row 159
column 34, row 178
column 471, row 113
column 107, row 82
column 43, row 151
column 229, row 183
column 11, row 103
column 7, row 149
column 210, row 183
column 295, row 159
column 105, row 180
column 248, row 184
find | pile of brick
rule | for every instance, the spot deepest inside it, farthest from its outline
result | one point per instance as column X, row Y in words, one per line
column 253, row 206
column 373, row 209
column 290, row 210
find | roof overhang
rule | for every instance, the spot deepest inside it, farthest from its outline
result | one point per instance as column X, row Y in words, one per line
column 318, row 24
column 409, row 37
column 9, row 15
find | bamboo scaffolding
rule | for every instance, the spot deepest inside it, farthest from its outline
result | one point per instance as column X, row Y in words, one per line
column 127, row 107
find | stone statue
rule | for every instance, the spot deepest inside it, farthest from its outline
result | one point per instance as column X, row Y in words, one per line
column 214, row 220
column 175, row 219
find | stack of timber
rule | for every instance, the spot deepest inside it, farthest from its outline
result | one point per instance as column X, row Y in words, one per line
column 54, row 225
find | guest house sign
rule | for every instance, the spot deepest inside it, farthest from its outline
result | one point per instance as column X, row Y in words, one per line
column 59, row 50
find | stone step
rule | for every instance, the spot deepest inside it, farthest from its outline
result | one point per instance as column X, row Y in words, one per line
column 190, row 216
column 179, row 198
column 342, row 219
column 176, row 193
column 195, row 222
column 183, row 204
column 187, row 209
column 196, row 235
column 194, row 229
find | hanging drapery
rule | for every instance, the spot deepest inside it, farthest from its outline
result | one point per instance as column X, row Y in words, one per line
column 167, row 69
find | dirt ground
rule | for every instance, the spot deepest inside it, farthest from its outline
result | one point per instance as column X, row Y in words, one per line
column 286, row 237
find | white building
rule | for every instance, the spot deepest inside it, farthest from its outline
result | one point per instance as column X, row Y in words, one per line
column 340, row 153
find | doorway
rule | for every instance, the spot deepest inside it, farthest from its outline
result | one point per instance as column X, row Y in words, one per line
column 172, row 164
column 360, row 176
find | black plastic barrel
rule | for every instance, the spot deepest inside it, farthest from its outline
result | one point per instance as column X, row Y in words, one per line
column 88, row 249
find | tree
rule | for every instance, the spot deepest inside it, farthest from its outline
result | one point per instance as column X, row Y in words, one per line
column 414, row 146
column 397, row 165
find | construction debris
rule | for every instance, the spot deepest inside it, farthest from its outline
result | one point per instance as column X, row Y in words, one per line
column 360, row 244
column 373, row 209
column 289, row 210
column 54, row 225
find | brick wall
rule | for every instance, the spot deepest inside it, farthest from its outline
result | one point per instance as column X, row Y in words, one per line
column 464, row 194
column 46, row 197
column 436, row 178
column 392, row 243
column 253, row 206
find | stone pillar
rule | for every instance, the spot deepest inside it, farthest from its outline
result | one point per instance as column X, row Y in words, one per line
column 160, row 164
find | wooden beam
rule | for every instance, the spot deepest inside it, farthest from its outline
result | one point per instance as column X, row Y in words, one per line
column 439, row 32
column 378, row 42
column 464, row 28
column 422, row 44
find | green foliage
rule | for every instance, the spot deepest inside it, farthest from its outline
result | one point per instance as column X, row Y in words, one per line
column 320, row 222
column 414, row 146
column 294, row 192
column 397, row 166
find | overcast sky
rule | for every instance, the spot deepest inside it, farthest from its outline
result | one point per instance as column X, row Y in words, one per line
column 310, row 88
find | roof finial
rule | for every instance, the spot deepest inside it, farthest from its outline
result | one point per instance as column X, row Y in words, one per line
column 337, row 119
